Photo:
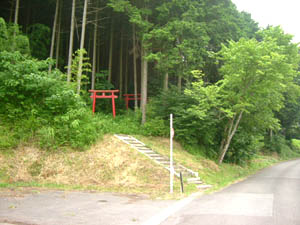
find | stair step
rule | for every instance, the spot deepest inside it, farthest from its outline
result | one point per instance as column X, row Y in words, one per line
column 196, row 182
column 204, row 186
column 158, row 158
column 137, row 145
column 146, row 150
column 164, row 162
column 153, row 155
column 193, row 179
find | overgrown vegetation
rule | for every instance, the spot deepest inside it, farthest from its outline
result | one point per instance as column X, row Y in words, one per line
column 233, row 89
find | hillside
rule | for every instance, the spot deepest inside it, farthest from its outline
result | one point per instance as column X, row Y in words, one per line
column 108, row 166
column 112, row 166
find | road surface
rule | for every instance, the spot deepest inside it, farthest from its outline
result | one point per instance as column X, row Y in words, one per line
column 271, row 197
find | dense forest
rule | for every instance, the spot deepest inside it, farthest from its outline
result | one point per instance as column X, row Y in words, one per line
column 233, row 87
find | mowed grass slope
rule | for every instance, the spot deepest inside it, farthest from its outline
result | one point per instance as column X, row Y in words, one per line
column 112, row 166
column 109, row 165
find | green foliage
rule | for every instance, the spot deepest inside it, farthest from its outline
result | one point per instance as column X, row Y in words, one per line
column 295, row 143
column 101, row 82
column 11, row 39
column 41, row 104
column 39, row 36
column 244, row 147
column 22, row 44
column 191, row 127
column 156, row 127
column 282, row 147
column 3, row 35
column 86, row 67
column 7, row 136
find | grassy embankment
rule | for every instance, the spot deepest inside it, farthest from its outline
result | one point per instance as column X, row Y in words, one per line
column 112, row 166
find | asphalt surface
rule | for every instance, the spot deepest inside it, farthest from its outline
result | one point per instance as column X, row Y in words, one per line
column 271, row 197
column 75, row 208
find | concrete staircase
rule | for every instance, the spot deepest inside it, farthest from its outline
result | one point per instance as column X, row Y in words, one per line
column 192, row 177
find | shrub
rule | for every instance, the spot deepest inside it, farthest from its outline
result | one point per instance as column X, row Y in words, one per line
column 295, row 144
column 43, row 105
column 190, row 129
column 244, row 147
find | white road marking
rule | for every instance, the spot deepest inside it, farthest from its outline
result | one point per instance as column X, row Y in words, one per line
column 162, row 216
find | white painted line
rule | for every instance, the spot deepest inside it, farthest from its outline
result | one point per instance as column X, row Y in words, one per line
column 161, row 217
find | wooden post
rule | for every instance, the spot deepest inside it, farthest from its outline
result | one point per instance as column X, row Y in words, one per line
column 181, row 183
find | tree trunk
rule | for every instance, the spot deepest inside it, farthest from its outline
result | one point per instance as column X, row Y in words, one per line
column 126, row 71
column 94, row 51
column 17, row 13
column 231, row 132
column 111, row 51
column 16, row 22
column 166, row 82
column 134, row 67
column 121, row 66
column 90, row 43
column 71, row 42
column 53, row 35
column 58, row 35
column 99, row 53
column 144, row 80
column 179, row 83
column 79, row 74
column 11, row 13
column 271, row 134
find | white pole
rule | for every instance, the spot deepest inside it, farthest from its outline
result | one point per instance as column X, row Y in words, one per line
column 171, row 153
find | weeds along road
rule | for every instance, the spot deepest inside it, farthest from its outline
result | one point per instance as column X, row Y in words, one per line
column 271, row 197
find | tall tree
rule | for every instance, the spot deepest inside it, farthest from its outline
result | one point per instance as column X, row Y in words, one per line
column 95, row 49
column 16, row 22
column 134, row 66
column 144, row 81
column 16, row 14
column 121, row 64
column 255, row 75
column 111, row 42
column 53, row 34
column 58, row 35
column 69, row 73
column 79, row 74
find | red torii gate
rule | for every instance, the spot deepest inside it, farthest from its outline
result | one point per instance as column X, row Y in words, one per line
column 112, row 95
column 129, row 97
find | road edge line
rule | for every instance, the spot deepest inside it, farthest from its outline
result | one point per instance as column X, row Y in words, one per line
column 162, row 216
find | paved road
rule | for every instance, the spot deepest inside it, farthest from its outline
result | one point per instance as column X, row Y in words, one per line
column 271, row 197
column 76, row 208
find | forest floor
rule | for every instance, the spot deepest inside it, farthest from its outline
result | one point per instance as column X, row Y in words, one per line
column 112, row 166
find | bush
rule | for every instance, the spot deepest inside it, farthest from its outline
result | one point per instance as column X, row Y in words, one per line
column 190, row 129
column 42, row 105
column 295, row 145
column 276, row 144
column 244, row 147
